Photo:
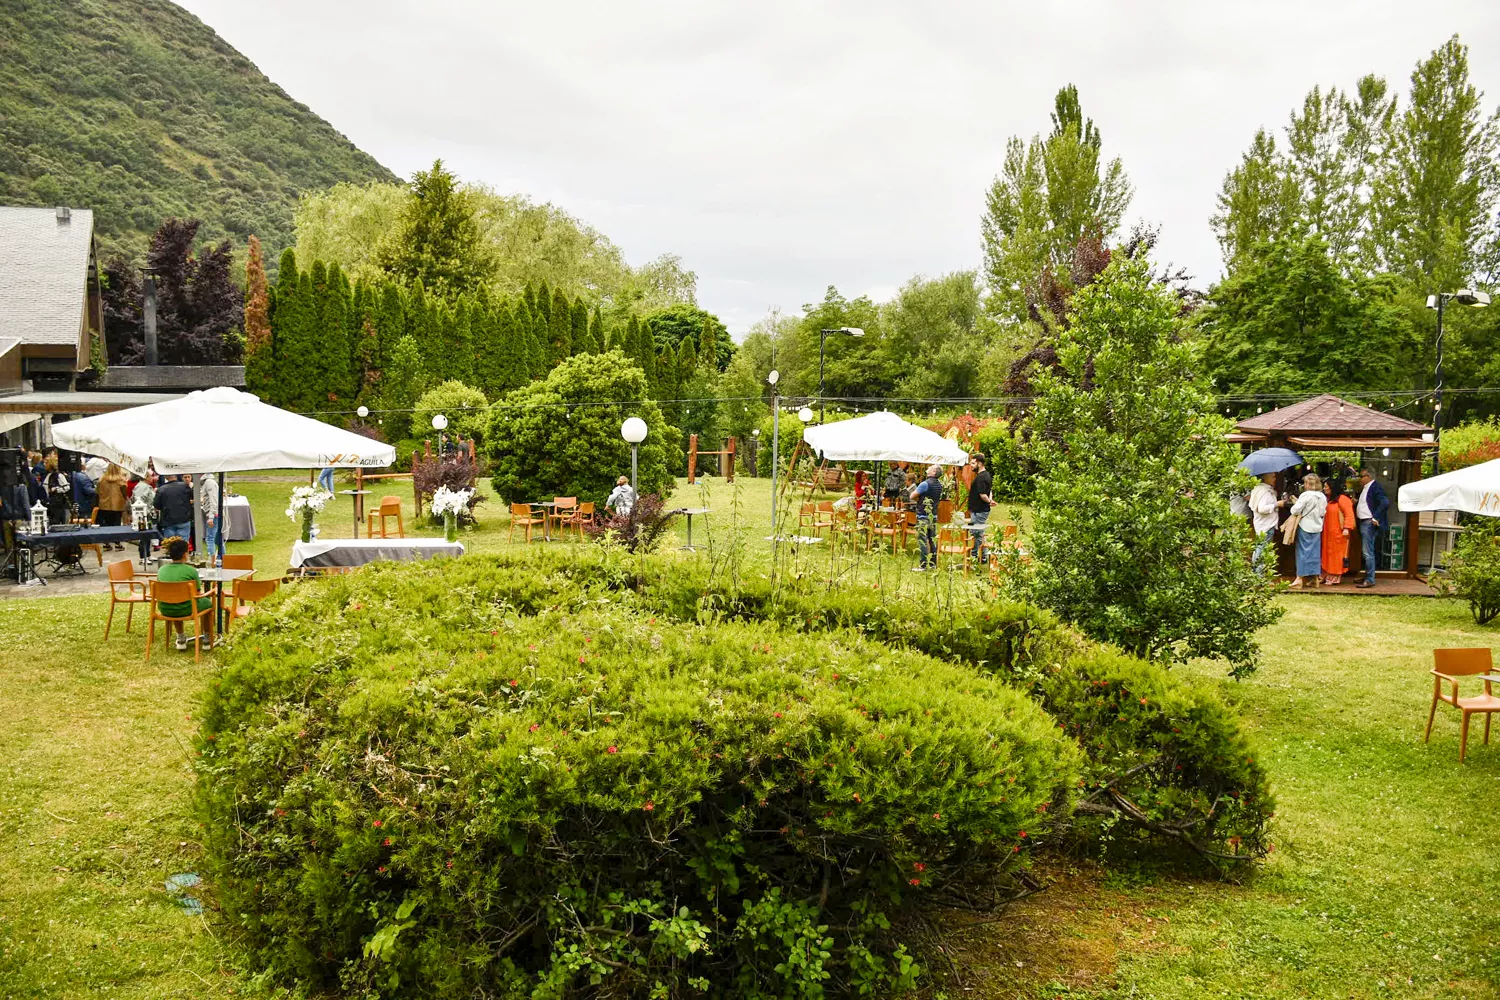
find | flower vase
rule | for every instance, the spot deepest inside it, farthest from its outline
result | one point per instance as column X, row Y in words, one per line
column 307, row 519
column 450, row 526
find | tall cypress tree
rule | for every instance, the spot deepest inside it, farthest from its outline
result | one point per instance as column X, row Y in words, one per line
column 282, row 318
column 561, row 324
column 582, row 342
column 296, row 365
column 541, row 304
column 334, row 350
column 456, row 342
column 488, row 331
column 531, row 347
column 669, row 385
column 597, row 336
column 422, row 325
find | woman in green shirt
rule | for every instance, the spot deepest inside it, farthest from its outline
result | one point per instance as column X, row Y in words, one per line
column 179, row 570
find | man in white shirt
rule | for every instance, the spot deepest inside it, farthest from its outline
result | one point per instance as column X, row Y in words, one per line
column 1371, row 512
column 208, row 499
column 1264, row 509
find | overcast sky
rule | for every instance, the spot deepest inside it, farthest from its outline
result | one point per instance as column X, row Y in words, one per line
column 780, row 147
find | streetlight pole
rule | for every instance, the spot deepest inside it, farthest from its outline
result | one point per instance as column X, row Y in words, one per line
column 1464, row 297
column 852, row 331
column 773, row 378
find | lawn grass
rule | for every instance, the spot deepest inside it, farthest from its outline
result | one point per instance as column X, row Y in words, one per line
column 1382, row 884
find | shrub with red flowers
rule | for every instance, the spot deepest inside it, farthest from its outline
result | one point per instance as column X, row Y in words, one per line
column 606, row 802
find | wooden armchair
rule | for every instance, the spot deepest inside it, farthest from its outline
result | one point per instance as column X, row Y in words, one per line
column 564, row 512
column 807, row 519
column 886, row 525
column 1449, row 666
column 587, row 515
column 122, row 575
column 247, row 593
column 954, row 541
column 823, row 517
column 521, row 515
column 179, row 593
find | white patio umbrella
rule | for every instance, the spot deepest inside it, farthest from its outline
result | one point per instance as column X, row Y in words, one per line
column 882, row 437
column 218, row 430
column 1475, row 490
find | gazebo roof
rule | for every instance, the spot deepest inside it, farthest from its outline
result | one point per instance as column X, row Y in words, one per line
column 1329, row 416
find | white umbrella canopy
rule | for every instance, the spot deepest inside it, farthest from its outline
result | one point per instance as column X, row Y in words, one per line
column 882, row 437
column 1475, row 489
column 218, row 430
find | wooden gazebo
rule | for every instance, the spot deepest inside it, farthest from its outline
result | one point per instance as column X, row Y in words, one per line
column 1392, row 446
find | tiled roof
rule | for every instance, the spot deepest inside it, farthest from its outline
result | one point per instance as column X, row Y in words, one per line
column 44, row 274
column 1328, row 414
column 183, row 377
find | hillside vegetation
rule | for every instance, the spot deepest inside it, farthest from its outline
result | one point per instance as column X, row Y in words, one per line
column 141, row 112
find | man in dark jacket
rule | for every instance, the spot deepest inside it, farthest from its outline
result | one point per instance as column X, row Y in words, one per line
column 928, row 494
column 174, row 508
column 1372, row 512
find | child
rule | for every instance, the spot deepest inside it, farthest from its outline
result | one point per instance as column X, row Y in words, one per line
column 179, row 570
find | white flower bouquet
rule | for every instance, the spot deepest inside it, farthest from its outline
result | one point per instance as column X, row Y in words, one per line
column 455, row 502
column 305, row 502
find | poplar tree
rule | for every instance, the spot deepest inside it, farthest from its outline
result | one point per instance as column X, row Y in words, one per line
column 331, row 378
column 492, row 349
column 582, row 342
column 561, row 324
column 596, row 331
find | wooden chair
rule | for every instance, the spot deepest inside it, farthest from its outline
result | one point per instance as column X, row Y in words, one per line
column 122, row 574
column 823, row 517
column 885, row 525
column 523, row 516
column 92, row 521
column 179, row 593
column 240, row 561
column 564, row 509
column 945, row 512
column 807, row 519
column 953, row 541
column 246, row 592
column 587, row 515
column 845, row 526
column 389, row 507
column 908, row 529
column 1450, row 665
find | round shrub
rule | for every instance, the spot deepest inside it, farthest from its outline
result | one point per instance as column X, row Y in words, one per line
column 1168, row 761
column 465, row 407
column 409, row 789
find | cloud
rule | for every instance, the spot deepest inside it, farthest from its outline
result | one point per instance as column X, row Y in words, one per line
column 781, row 147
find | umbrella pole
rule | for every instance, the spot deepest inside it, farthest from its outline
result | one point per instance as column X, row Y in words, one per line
column 218, row 555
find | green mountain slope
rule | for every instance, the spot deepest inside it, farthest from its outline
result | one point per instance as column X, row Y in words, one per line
column 135, row 108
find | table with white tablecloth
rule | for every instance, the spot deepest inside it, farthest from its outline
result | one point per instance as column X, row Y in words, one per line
column 239, row 520
column 332, row 552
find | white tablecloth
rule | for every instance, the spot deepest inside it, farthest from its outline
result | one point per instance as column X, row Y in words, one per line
column 358, row 551
column 239, row 520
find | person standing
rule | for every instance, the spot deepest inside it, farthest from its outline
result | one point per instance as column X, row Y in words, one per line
column 1338, row 523
column 980, row 502
column 621, row 498
column 208, row 502
column 895, row 485
column 113, row 500
column 1371, row 512
column 325, row 479
column 143, row 494
column 927, row 494
column 174, row 509
column 1264, row 508
column 85, row 495
column 1309, row 509
column 59, row 491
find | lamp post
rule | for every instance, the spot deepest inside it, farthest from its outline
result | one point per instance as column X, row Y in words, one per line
column 440, row 424
column 634, row 431
column 852, row 331
column 1464, row 297
column 362, row 412
column 773, row 378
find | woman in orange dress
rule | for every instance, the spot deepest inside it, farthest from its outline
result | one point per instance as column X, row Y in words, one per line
column 1337, row 524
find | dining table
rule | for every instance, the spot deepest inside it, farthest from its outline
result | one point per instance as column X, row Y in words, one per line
column 688, row 512
column 549, row 507
column 220, row 575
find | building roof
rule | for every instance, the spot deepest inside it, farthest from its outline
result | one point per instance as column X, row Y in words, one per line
column 1328, row 415
column 80, row 402
column 169, row 377
column 44, row 274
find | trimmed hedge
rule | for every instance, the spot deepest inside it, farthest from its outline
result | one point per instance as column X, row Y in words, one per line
column 427, row 781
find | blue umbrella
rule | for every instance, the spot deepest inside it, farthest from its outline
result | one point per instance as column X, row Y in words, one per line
column 1258, row 463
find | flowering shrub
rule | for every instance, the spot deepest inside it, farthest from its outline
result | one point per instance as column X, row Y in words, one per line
column 443, row 798
column 456, row 473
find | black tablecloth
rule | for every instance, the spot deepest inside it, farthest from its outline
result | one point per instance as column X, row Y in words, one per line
column 85, row 536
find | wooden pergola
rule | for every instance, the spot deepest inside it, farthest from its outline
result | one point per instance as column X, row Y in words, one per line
column 1392, row 446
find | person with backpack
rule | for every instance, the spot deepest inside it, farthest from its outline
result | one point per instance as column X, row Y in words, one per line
column 59, row 492
column 927, row 494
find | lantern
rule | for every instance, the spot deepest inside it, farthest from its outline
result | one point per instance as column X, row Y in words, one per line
column 38, row 519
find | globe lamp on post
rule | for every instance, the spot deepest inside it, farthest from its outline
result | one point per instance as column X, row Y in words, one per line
column 440, row 424
column 773, row 378
column 634, row 431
